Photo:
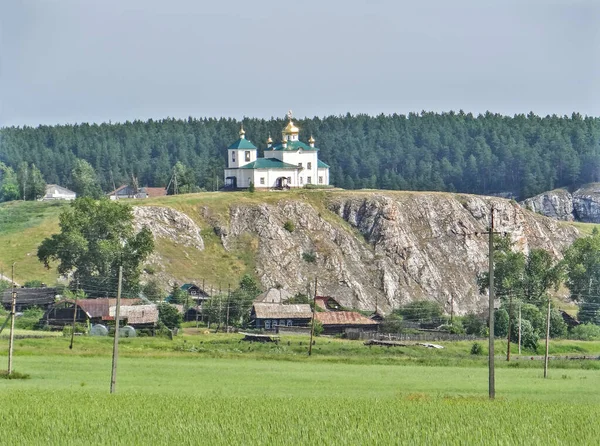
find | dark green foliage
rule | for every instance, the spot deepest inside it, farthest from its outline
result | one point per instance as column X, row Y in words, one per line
column 251, row 188
column 309, row 257
column 96, row 237
column 4, row 285
column 299, row 298
column 29, row 319
column 586, row 332
column 392, row 323
column 178, row 296
column 33, row 284
column 9, row 185
column 582, row 261
column 31, row 182
column 558, row 327
column 153, row 291
column 453, row 151
column 289, row 226
column 473, row 324
column 84, row 180
column 501, row 323
column 420, row 310
column 318, row 328
column 476, row 349
column 529, row 337
column 169, row 316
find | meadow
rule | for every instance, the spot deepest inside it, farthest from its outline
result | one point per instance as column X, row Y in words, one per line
column 212, row 389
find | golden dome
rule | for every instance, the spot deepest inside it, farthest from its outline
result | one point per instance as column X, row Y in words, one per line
column 311, row 140
column 291, row 128
column 242, row 132
column 270, row 140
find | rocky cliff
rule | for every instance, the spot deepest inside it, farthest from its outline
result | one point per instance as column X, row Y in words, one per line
column 365, row 248
column 582, row 205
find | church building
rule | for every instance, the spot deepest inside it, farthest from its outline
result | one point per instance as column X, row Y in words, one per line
column 290, row 163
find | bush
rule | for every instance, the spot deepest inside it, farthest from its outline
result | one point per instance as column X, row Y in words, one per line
column 309, row 257
column 473, row 324
column 251, row 188
column 33, row 284
column 318, row 328
column 586, row 332
column 289, row 226
column 501, row 323
column 476, row 349
column 558, row 327
column 169, row 316
column 392, row 323
column 29, row 319
column 153, row 291
column 421, row 310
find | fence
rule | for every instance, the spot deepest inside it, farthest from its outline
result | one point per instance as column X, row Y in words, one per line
column 423, row 336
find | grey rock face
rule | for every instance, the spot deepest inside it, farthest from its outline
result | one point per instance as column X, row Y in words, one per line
column 168, row 223
column 555, row 204
column 388, row 249
column 586, row 203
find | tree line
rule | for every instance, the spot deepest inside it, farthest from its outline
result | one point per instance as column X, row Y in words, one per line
column 521, row 155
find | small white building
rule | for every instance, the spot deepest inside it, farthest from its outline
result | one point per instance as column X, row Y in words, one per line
column 56, row 192
column 290, row 163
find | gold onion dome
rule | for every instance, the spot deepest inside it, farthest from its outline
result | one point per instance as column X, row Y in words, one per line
column 242, row 132
column 291, row 128
column 311, row 140
column 270, row 140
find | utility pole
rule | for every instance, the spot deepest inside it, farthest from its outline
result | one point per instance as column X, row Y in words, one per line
column 491, row 378
column 74, row 316
column 519, row 327
column 509, row 327
column 312, row 325
column 11, row 337
column 228, row 303
column 113, row 376
column 547, row 341
column 451, row 309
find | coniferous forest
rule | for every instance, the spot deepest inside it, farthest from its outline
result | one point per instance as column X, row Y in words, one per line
column 456, row 151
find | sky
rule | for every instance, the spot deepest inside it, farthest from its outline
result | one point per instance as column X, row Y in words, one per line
column 73, row 61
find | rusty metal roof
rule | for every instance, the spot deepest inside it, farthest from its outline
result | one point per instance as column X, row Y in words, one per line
column 343, row 318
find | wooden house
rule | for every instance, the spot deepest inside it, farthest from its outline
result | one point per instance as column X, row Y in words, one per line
column 93, row 311
column 41, row 297
column 335, row 322
column 269, row 316
column 274, row 296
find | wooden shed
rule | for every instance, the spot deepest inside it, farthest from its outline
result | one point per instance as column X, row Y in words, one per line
column 335, row 322
column 41, row 297
column 270, row 316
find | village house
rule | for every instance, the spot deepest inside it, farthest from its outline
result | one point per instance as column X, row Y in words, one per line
column 335, row 320
column 41, row 297
column 56, row 192
column 271, row 315
column 290, row 163
column 274, row 296
column 126, row 191
column 89, row 311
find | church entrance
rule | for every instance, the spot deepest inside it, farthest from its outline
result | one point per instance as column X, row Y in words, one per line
column 281, row 183
column 231, row 183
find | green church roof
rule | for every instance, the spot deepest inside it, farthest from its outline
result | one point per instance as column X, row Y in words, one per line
column 292, row 146
column 322, row 165
column 242, row 143
column 268, row 163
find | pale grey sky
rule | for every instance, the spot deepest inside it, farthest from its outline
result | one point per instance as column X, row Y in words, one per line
column 66, row 61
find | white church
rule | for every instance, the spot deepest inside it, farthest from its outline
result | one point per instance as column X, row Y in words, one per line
column 290, row 163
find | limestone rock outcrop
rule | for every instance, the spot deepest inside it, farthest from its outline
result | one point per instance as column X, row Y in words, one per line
column 165, row 222
column 556, row 204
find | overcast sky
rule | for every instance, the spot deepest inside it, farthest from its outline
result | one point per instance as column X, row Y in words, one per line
column 67, row 61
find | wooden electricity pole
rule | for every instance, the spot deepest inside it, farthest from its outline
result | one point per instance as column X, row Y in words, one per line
column 228, row 304
column 491, row 377
column 74, row 317
column 312, row 325
column 11, row 337
column 509, row 327
column 547, row 341
column 113, row 375
column 519, row 328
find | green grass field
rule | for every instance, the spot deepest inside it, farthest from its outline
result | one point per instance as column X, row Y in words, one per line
column 212, row 389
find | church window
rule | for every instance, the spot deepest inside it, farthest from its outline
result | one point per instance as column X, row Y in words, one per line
column 233, row 157
column 262, row 180
column 309, row 165
column 320, row 180
column 300, row 165
column 247, row 155
column 308, row 180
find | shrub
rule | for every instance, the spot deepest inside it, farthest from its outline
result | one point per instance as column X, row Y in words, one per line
column 309, row 257
column 33, row 284
column 421, row 310
column 251, row 188
column 476, row 349
column 392, row 323
column 558, row 327
column 153, row 291
column 169, row 316
column 501, row 323
column 289, row 226
column 586, row 332
column 318, row 328
column 473, row 324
